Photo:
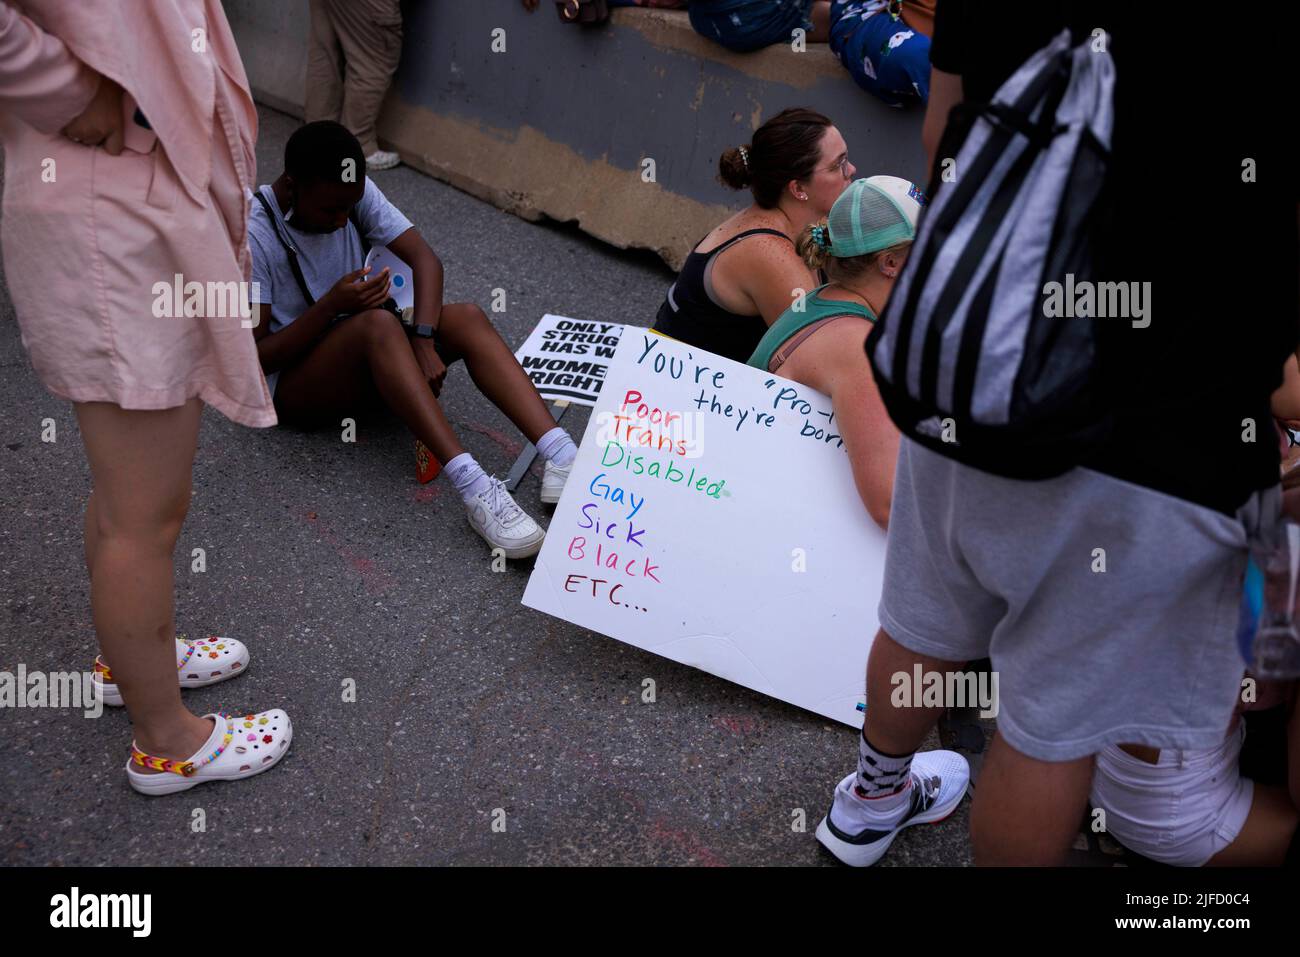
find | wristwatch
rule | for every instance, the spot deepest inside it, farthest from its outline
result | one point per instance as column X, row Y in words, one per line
column 424, row 332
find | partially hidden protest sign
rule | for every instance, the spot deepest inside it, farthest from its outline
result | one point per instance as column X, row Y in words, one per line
column 567, row 358
column 711, row 517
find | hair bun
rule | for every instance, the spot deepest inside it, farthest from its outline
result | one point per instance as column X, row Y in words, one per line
column 813, row 245
column 734, row 168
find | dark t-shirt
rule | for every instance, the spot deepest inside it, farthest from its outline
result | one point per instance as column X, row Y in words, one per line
column 1220, row 253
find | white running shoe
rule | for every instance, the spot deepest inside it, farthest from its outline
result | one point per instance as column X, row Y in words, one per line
column 553, row 479
column 859, row 835
column 494, row 514
column 382, row 159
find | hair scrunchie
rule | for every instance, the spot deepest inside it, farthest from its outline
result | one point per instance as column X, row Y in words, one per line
column 744, row 157
column 821, row 235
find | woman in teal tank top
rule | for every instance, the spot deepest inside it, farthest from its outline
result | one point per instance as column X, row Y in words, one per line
column 821, row 342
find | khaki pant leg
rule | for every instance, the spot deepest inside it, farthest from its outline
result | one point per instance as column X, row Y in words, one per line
column 324, row 99
column 370, row 32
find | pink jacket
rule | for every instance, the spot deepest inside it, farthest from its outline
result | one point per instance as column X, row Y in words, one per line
column 83, row 253
column 147, row 46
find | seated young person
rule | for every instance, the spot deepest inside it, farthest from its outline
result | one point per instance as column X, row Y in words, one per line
column 330, row 350
column 820, row 342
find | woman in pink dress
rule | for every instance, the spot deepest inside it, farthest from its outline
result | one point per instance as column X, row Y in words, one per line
column 128, row 143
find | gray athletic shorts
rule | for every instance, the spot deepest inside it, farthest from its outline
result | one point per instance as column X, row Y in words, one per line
column 1144, row 652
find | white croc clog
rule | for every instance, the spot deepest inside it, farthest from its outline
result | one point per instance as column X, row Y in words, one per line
column 239, row 747
column 198, row 663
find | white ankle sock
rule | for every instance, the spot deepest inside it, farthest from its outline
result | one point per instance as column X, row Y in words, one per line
column 467, row 475
column 557, row 448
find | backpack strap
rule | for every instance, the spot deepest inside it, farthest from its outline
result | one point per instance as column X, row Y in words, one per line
column 294, row 265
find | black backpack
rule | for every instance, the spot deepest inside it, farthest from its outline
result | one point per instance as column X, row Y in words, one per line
column 967, row 359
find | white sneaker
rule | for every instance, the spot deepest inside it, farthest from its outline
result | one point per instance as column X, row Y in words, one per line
column 553, row 479
column 494, row 514
column 382, row 159
column 859, row 835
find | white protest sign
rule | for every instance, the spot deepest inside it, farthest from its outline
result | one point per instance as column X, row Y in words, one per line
column 711, row 517
column 567, row 358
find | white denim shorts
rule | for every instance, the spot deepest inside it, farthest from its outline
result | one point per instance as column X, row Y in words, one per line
column 1183, row 809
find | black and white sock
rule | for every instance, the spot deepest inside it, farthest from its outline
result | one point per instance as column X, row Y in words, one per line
column 882, row 777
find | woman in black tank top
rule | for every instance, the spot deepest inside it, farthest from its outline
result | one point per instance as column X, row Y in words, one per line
column 796, row 168
column 689, row 312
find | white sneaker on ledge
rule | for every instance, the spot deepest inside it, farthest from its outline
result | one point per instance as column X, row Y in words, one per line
column 382, row 159
column 494, row 514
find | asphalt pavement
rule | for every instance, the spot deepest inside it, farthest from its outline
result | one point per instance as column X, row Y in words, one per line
column 332, row 562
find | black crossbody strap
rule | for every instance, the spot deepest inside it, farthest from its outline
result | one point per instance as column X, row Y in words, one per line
column 288, row 247
column 355, row 219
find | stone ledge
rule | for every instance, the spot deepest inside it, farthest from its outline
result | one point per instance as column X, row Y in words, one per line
column 561, row 124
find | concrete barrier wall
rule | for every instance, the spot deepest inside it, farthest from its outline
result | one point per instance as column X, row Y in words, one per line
column 561, row 123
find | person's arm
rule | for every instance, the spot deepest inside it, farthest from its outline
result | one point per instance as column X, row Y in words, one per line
column 426, row 272
column 41, row 81
column 945, row 93
column 275, row 350
column 949, row 59
column 870, row 436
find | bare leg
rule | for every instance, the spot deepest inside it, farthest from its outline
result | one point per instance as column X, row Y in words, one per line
column 1026, row 812
column 890, row 729
column 821, row 22
column 141, row 463
column 91, row 539
column 368, row 356
column 1265, row 836
column 364, row 359
column 465, row 332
